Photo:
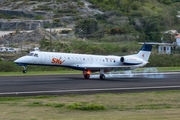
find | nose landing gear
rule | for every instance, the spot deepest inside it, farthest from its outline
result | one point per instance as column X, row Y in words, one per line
column 24, row 70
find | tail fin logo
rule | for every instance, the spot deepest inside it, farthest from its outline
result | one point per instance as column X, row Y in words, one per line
column 143, row 55
column 57, row 61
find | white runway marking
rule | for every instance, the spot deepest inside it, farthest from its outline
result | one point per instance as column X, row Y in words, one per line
column 89, row 90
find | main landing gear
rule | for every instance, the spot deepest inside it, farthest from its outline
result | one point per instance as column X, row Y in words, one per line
column 87, row 73
column 102, row 76
column 24, row 70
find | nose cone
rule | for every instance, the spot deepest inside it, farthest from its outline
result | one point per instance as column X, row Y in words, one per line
column 21, row 61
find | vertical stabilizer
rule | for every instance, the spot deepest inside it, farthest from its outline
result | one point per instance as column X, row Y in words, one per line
column 145, row 52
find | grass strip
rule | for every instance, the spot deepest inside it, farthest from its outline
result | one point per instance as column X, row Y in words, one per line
column 39, row 73
column 162, row 105
column 148, row 69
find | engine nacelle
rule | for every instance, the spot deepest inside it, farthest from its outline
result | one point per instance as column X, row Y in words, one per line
column 127, row 60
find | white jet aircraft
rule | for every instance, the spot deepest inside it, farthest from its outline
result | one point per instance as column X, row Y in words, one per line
column 87, row 63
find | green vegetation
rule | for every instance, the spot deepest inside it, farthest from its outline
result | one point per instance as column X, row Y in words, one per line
column 8, row 16
column 12, row 68
column 38, row 17
column 164, row 60
column 122, row 20
column 40, row 104
column 43, row 7
column 36, row 71
column 116, row 32
column 148, row 105
column 144, row 20
column 89, row 47
column 85, row 106
column 85, row 28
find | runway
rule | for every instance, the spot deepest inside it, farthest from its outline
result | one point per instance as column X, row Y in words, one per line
column 76, row 84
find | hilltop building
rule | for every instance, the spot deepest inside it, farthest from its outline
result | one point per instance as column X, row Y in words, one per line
column 169, row 42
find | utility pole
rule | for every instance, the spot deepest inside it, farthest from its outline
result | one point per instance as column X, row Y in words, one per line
column 51, row 16
column 50, row 37
column 21, row 31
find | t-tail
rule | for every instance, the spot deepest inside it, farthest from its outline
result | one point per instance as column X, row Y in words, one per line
column 145, row 51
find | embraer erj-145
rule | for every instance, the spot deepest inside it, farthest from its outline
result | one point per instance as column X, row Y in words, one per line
column 88, row 63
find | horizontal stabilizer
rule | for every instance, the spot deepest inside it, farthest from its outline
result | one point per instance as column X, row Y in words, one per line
column 153, row 43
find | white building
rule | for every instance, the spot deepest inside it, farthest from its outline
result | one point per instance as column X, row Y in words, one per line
column 168, row 47
column 165, row 48
column 178, row 39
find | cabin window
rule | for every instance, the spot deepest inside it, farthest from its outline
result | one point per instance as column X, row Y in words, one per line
column 35, row 55
column 83, row 58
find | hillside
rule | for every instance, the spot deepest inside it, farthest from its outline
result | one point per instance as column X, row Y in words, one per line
column 28, row 15
column 20, row 17
column 96, row 20
column 147, row 18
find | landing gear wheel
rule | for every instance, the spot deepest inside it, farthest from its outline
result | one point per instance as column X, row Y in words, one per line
column 87, row 76
column 24, row 71
column 102, row 77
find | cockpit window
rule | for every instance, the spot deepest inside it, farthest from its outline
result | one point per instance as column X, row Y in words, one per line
column 35, row 55
column 31, row 54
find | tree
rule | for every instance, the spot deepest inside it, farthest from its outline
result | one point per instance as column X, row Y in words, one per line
column 86, row 27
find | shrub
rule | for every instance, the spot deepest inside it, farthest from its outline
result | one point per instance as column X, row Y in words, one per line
column 164, row 60
column 39, row 17
column 86, row 106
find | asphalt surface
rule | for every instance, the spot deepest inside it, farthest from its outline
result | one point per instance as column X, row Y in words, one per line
column 76, row 84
